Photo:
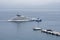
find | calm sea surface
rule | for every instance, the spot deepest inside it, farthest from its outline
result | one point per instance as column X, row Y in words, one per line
column 24, row 31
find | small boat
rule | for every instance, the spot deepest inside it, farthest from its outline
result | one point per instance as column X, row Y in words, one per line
column 36, row 28
column 37, row 20
column 47, row 31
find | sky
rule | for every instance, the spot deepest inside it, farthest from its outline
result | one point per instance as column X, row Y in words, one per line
column 6, row 4
column 28, row 2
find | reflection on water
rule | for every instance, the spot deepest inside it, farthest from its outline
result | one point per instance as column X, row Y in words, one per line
column 17, row 32
column 21, row 29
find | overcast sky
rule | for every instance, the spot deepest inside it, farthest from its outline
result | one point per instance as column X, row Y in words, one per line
column 26, row 3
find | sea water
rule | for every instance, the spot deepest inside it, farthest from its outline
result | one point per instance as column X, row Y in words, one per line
column 24, row 30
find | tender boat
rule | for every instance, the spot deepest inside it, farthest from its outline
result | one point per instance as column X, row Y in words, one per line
column 36, row 28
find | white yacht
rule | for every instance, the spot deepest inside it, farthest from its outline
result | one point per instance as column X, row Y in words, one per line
column 20, row 18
